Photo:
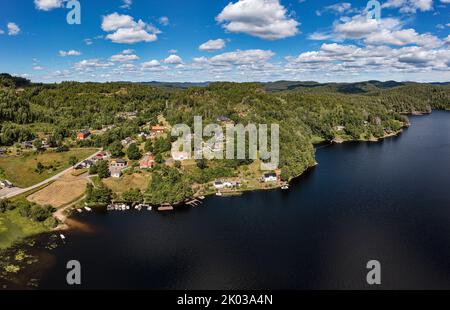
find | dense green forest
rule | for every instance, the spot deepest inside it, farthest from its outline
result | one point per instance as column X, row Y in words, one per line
column 306, row 111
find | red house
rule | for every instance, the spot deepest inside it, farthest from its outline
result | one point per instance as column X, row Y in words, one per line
column 147, row 162
column 82, row 135
column 158, row 129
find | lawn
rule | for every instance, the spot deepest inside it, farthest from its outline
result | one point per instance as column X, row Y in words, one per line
column 128, row 181
column 14, row 227
column 21, row 170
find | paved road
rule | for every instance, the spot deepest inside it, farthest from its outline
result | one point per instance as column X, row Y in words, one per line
column 12, row 192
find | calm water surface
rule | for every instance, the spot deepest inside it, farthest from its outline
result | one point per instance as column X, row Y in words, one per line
column 388, row 201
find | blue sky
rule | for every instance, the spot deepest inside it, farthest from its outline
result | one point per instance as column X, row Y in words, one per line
column 234, row 40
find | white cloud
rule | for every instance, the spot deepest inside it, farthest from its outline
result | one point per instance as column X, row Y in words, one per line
column 13, row 29
column 126, row 4
column 242, row 57
column 38, row 68
column 213, row 45
column 151, row 64
column 90, row 64
column 173, row 51
column 125, row 56
column 47, row 5
column 266, row 19
column 1, row 31
column 173, row 60
column 338, row 8
column 164, row 20
column 69, row 53
column 126, row 30
column 410, row 6
column 402, row 37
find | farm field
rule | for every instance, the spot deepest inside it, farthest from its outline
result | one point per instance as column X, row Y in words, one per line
column 62, row 192
column 22, row 172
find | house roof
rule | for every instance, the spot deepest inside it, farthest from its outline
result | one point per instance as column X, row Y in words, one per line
column 154, row 128
column 270, row 175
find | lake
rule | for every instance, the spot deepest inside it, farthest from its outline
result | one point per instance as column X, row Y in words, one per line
column 387, row 201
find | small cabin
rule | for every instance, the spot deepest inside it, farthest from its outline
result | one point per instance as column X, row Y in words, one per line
column 270, row 177
column 83, row 135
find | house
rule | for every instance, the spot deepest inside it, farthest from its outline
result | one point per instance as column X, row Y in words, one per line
column 270, row 177
column 100, row 156
column 158, row 129
column 143, row 135
column 224, row 120
column 118, row 163
column 84, row 165
column 147, row 162
column 6, row 183
column 83, row 135
column 181, row 156
column 339, row 128
column 127, row 141
column 226, row 184
column 115, row 172
column 219, row 185
column 27, row 145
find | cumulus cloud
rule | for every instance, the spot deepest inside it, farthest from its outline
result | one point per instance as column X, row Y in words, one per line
column 212, row 45
column 410, row 6
column 127, row 31
column 125, row 56
column 266, row 19
column 91, row 64
column 350, row 58
column 69, row 53
column 242, row 57
column 13, row 29
column 47, row 5
column 173, row 60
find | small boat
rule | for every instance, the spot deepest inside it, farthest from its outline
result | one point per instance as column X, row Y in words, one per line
column 79, row 210
column 88, row 209
column 285, row 187
column 201, row 197
column 62, row 237
column 149, row 208
column 219, row 194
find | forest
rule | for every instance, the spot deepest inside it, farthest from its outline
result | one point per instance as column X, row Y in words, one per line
column 307, row 112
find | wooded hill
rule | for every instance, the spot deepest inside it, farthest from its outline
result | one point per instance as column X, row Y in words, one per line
column 305, row 111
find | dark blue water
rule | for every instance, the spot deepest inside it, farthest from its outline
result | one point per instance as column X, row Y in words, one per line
column 387, row 201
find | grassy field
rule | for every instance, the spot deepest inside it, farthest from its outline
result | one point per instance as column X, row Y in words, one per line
column 14, row 227
column 21, row 170
column 60, row 193
column 128, row 181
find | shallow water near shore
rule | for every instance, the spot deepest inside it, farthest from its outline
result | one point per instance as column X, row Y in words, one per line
column 387, row 201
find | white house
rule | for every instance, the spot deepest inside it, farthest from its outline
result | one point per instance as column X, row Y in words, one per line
column 180, row 156
column 270, row 177
column 115, row 172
